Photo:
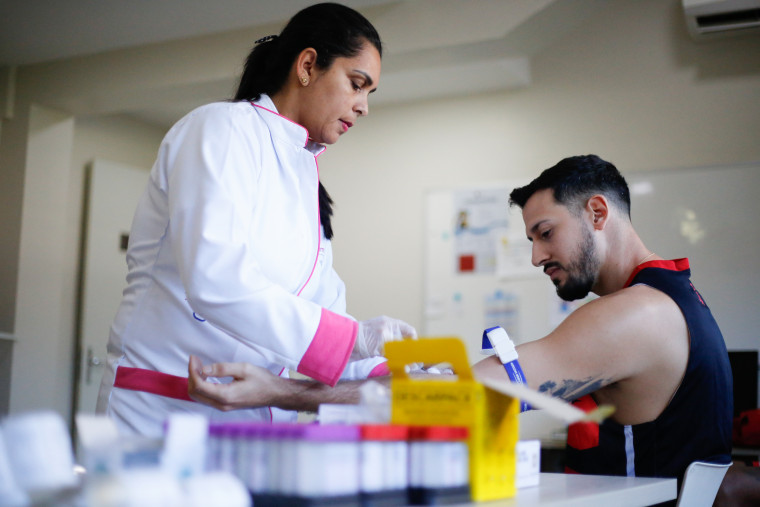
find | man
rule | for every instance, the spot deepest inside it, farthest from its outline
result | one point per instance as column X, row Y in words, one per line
column 648, row 345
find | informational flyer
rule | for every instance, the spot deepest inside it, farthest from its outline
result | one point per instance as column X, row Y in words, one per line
column 513, row 253
column 480, row 221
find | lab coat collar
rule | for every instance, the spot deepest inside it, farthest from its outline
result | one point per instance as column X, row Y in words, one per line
column 284, row 128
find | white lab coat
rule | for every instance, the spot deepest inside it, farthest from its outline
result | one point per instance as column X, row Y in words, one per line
column 227, row 261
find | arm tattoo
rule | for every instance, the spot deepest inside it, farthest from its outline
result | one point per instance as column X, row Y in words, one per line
column 570, row 389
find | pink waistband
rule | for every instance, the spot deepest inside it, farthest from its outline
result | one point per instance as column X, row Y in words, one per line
column 149, row 381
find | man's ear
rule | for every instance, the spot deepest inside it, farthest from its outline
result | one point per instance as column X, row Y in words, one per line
column 598, row 210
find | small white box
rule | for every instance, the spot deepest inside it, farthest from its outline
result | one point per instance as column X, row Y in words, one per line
column 528, row 463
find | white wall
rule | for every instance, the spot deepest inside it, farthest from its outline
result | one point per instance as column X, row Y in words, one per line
column 43, row 354
column 628, row 85
column 113, row 138
column 60, row 148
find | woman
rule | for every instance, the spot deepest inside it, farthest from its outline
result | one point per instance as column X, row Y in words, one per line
column 229, row 254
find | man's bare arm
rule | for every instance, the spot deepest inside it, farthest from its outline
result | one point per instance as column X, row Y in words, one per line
column 567, row 389
column 606, row 341
column 571, row 389
column 253, row 387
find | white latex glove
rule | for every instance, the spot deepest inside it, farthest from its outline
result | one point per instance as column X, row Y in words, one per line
column 373, row 334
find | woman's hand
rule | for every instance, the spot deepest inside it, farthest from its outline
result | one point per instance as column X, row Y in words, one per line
column 251, row 387
column 373, row 333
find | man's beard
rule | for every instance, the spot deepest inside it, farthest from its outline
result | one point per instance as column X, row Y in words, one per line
column 581, row 273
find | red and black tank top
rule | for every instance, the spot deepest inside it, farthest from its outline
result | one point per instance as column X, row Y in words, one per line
column 696, row 424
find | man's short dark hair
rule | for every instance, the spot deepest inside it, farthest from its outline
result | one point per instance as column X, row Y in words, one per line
column 574, row 180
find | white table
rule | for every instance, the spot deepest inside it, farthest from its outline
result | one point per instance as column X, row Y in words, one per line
column 570, row 490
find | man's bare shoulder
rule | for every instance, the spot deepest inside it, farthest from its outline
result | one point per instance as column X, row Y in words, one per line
column 628, row 308
column 648, row 333
column 609, row 339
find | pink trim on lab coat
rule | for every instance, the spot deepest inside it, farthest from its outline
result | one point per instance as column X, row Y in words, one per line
column 330, row 349
column 381, row 370
column 149, row 381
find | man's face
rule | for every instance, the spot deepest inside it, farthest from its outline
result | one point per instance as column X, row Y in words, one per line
column 563, row 244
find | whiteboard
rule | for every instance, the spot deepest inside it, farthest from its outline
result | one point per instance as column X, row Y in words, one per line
column 710, row 215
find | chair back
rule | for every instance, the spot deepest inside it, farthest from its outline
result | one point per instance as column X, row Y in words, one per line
column 701, row 483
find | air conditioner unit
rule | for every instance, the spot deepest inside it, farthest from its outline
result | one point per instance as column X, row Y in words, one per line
column 707, row 19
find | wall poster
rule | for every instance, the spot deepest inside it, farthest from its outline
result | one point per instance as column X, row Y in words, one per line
column 480, row 222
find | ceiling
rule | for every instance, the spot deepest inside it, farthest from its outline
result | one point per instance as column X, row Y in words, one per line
column 33, row 31
column 433, row 48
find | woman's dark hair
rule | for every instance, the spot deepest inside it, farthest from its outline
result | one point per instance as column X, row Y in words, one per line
column 333, row 30
column 574, row 180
